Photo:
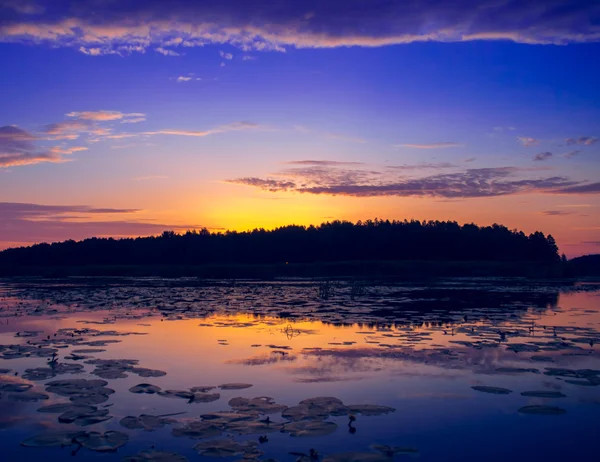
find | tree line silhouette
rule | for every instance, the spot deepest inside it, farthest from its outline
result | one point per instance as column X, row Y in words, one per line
column 329, row 242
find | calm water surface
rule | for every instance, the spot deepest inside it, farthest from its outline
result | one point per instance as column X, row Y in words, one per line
column 413, row 352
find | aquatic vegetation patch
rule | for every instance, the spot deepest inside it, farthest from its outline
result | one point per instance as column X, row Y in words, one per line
column 544, row 394
column 197, row 429
column 493, row 390
column 228, row 448
column 145, row 422
column 81, row 391
column 102, row 442
column 262, row 405
column 235, row 386
column 145, row 388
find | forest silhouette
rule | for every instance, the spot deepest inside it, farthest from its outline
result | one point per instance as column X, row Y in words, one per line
column 370, row 240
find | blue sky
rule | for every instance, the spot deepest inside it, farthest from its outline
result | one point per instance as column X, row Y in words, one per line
column 237, row 115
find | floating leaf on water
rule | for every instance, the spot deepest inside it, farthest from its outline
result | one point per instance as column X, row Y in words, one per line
column 155, row 456
column 542, row 359
column 370, row 409
column 5, row 371
column 61, row 408
column 544, row 394
column 542, row 410
column 145, row 422
column 27, row 396
column 227, row 448
column 88, row 350
column 197, row 429
column 202, row 389
column 81, row 391
column 257, row 427
column 182, row 394
column 234, row 386
column 13, row 386
column 516, row 370
column 205, row 397
column 102, row 442
column 262, row 405
column 357, row 457
column 84, row 415
column 310, row 428
column 145, row 388
column 51, row 439
column 143, row 372
column 583, row 383
column 493, row 390
column 225, row 418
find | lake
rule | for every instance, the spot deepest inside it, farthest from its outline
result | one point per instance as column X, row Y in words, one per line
column 172, row 370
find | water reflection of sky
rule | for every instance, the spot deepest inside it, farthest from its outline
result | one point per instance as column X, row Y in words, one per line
column 423, row 363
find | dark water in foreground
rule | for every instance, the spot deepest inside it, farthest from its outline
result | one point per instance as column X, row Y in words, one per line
column 414, row 353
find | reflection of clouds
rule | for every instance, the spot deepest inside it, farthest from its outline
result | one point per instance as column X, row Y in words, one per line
column 274, row 357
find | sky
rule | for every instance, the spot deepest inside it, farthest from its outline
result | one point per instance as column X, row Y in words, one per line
column 127, row 118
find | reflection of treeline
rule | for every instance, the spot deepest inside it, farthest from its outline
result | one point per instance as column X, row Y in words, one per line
column 336, row 241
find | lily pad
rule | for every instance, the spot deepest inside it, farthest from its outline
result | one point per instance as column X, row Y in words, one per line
column 226, row 448
column 310, row 428
column 155, row 456
column 84, row 416
column 234, row 386
column 144, row 372
column 256, row 427
column 262, row 405
column 544, row 394
column 46, row 440
column 542, row 410
column 27, row 396
column 102, row 442
column 493, row 390
column 145, row 422
column 13, row 386
column 60, row 408
column 145, row 388
column 197, row 429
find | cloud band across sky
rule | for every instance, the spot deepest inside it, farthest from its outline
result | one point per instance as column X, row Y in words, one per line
column 98, row 27
column 470, row 183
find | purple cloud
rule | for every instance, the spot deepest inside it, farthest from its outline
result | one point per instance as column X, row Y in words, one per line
column 30, row 223
column 582, row 140
column 481, row 182
column 106, row 27
column 542, row 156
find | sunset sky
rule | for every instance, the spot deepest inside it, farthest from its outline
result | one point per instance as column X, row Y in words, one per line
column 126, row 118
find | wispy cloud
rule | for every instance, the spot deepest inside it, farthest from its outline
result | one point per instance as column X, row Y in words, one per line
column 224, row 55
column 18, row 148
column 106, row 27
column 571, row 154
column 102, row 116
column 183, row 78
column 527, row 141
column 481, row 182
column 165, row 52
column 423, row 166
column 444, row 144
column 29, row 223
column 556, row 213
column 582, row 140
column 542, row 156
column 321, row 162
column 235, row 126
